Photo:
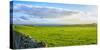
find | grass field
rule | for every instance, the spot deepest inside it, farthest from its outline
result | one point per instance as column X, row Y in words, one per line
column 55, row 36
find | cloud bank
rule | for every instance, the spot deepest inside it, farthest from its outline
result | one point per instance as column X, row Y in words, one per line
column 30, row 14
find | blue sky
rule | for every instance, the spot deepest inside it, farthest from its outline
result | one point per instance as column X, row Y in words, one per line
column 26, row 12
column 59, row 5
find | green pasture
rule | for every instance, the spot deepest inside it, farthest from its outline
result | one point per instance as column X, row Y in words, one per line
column 55, row 36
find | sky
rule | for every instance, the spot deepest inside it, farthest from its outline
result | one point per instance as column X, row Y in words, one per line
column 29, row 12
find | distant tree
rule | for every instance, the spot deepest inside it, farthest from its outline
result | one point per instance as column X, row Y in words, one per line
column 94, row 23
